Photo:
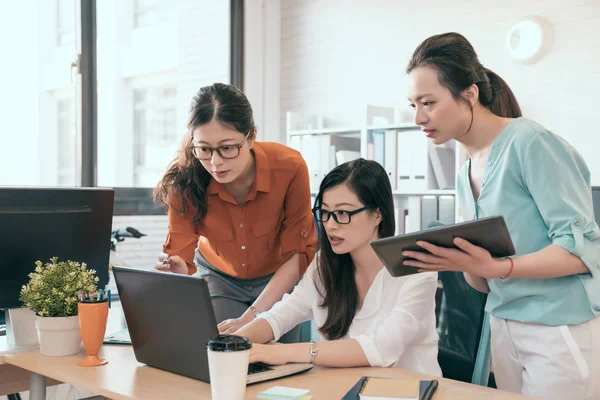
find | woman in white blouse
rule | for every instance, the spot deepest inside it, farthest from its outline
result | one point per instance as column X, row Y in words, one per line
column 364, row 315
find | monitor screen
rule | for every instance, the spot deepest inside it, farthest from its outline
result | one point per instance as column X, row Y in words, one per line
column 41, row 223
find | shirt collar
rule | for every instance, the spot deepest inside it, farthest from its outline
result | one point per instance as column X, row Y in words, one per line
column 263, row 169
column 262, row 180
column 372, row 300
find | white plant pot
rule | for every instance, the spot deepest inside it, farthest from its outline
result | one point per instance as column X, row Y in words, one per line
column 58, row 336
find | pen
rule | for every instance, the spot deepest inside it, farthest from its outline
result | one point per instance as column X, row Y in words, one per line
column 92, row 296
column 108, row 295
column 81, row 295
column 166, row 260
column 100, row 294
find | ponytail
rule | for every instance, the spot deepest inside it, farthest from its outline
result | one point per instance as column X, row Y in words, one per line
column 504, row 103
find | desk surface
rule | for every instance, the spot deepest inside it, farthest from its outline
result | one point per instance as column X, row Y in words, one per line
column 124, row 378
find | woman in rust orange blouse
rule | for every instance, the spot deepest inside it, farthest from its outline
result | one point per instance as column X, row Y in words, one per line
column 239, row 210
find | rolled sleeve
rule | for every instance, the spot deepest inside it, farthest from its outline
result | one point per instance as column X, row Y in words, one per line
column 298, row 234
column 182, row 237
column 565, row 204
column 272, row 320
column 371, row 351
column 410, row 316
column 581, row 243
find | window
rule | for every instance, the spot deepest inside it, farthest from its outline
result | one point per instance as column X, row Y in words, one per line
column 152, row 12
column 184, row 46
column 147, row 78
column 67, row 143
column 154, row 132
column 152, row 57
column 38, row 105
column 65, row 20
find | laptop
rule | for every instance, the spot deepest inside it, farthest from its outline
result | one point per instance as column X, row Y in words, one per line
column 170, row 320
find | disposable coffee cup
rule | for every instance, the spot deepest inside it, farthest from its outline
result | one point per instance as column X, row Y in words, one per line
column 228, row 357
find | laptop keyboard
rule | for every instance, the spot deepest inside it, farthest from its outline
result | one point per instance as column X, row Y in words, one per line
column 254, row 368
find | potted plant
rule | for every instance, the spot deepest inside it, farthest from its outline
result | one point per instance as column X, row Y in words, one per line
column 52, row 295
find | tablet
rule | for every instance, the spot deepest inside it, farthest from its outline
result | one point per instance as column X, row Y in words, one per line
column 490, row 233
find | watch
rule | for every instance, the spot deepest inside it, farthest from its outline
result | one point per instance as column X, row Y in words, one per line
column 254, row 311
column 313, row 349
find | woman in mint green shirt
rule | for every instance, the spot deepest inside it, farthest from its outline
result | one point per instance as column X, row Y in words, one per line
column 545, row 301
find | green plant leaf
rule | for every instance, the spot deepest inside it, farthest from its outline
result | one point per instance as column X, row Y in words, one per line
column 52, row 287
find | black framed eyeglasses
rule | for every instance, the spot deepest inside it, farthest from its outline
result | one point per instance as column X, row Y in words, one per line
column 227, row 151
column 339, row 216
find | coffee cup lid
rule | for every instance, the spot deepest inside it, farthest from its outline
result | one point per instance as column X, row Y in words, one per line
column 228, row 343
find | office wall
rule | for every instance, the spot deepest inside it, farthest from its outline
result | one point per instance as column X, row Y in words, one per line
column 337, row 56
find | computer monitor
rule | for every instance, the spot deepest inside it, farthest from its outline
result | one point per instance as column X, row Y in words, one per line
column 41, row 223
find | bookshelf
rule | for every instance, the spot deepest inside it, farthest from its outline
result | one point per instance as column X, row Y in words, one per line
column 422, row 174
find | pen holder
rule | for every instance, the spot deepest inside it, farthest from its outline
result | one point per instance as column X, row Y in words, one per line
column 92, row 322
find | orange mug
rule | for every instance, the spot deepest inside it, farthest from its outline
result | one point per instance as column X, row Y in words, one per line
column 92, row 323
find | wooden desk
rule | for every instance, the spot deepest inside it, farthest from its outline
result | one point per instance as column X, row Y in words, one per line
column 14, row 379
column 124, row 378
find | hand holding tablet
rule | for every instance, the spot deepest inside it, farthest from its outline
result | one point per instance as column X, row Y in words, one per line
column 473, row 246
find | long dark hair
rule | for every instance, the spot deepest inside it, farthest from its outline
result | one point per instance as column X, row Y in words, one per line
column 458, row 67
column 186, row 178
column 371, row 184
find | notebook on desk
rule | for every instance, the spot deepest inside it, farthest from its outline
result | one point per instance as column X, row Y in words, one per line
column 426, row 390
column 170, row 319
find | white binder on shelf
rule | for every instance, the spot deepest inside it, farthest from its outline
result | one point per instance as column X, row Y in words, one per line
column 429, row 211
column 326, row 156
column 403, row 162
column 443, row 164
column 446, row 209
column 400, row 220
column 420, row 161
column 379, row 147
column 390, row 156
column 413, row 217
column 312, row 156
column 370, row 151
column 296, row 142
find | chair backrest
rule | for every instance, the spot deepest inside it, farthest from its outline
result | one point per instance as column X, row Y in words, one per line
column 459, row 315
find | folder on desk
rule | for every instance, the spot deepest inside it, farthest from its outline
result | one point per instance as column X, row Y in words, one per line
column 119, row 337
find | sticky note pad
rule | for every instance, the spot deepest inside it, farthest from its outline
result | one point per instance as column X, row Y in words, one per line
column 284, row 393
